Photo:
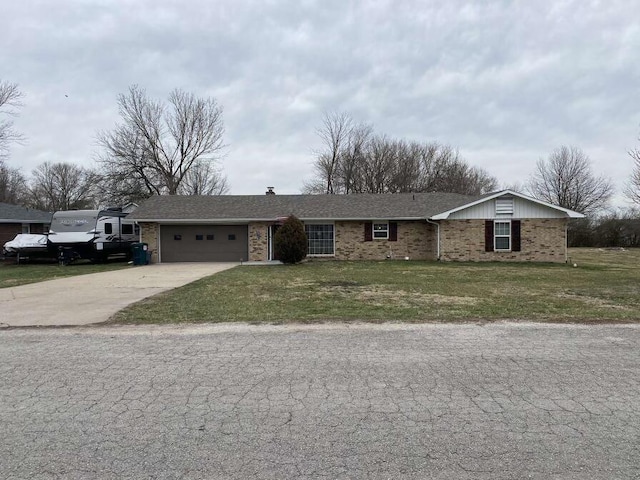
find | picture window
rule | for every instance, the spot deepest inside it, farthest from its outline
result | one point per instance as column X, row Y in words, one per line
column 320, row 238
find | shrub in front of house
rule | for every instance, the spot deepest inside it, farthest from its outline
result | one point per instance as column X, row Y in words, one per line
column 290, row 241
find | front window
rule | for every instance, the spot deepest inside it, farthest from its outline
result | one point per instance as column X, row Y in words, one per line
column 502, row 235
column 26, row 228
column 320, row 238
column 381, row 230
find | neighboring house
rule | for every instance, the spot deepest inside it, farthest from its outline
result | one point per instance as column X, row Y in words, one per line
column 502, row 226
column 15, row 219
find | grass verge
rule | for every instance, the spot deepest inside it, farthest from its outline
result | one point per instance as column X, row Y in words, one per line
column 604, row 287
column 12, row 274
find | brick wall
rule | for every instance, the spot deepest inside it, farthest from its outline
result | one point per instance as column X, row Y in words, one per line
column 543, row 240
column 258, row 241
column 416, row 240
column 8, row 231
column 150, row 234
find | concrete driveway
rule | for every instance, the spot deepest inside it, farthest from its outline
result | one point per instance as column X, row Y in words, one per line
column 93, row 298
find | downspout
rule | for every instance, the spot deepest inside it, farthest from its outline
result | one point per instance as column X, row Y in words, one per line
column 566, row 242
column 437, row 224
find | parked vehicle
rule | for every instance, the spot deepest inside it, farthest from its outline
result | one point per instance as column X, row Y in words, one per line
column 91, row 234
column 27, row 245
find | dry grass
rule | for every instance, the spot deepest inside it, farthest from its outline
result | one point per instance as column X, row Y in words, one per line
column 604, row 287
column 12, row 274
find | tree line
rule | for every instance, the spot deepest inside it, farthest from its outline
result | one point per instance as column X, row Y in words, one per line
column 354, row 159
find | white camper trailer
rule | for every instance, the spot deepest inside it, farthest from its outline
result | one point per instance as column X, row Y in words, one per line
column 92, row 234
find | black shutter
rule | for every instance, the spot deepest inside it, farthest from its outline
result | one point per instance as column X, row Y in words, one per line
column 368, row 234
column 393, row 232
column 515, row 236
column 488, row 236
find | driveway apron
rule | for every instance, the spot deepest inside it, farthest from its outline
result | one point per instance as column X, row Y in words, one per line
column 94, row 298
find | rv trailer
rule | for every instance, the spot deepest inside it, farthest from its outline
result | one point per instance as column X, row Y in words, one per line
column 91, row 234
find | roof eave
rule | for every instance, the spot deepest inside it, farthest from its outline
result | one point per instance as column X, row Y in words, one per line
column 17, row 220
column 270, row 219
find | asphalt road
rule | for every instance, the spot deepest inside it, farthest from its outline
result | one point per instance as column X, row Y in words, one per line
column 390, row 401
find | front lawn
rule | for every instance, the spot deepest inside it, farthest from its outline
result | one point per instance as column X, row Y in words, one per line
column 604, row 286
column 12, row 274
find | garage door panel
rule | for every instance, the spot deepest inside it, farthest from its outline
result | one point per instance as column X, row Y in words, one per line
column 204, row 243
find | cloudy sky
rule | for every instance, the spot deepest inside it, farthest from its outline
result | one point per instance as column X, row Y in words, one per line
column 504, row 81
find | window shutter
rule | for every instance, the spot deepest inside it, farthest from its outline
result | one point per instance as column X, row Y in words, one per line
column 393, row 232
column 488, row 236
column 515, row 235
column 368, row 231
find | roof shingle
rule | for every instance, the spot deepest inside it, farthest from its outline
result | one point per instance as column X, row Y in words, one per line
column 306, row 207
column 15, row 213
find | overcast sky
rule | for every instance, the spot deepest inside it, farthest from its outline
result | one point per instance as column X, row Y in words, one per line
column 506, row 82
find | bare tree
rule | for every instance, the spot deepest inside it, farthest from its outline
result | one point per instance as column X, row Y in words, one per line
column 13, row 185
column 10, row 99
column 335, row 132
column 354, row 160
column 632, row 188
column 157, row 145
column 565, row 179
column 204, row 179
column 63, row 186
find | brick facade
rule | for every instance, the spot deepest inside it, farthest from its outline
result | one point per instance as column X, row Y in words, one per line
column 150, row 234
column 416, row 240
column 258, row 241
column 543, row 240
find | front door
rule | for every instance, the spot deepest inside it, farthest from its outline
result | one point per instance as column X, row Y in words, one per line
column 272, row 233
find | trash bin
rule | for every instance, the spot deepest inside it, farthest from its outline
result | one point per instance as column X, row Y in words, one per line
column 140, row 253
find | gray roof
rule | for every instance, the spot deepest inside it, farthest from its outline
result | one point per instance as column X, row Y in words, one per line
column 306, row 207
column 17, row 214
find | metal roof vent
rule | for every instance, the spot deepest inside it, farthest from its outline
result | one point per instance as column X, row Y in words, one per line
column 270, row 191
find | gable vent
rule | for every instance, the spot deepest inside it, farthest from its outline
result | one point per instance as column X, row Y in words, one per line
column 504, row 206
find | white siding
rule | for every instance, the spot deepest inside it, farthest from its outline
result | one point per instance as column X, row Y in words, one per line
column 521, row 209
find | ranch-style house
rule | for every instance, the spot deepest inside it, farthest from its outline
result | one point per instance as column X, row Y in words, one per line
column 501, row 226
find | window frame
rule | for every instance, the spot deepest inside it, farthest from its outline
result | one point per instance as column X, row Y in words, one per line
column 374, row 231
column 309, row 239
column 496, row 236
